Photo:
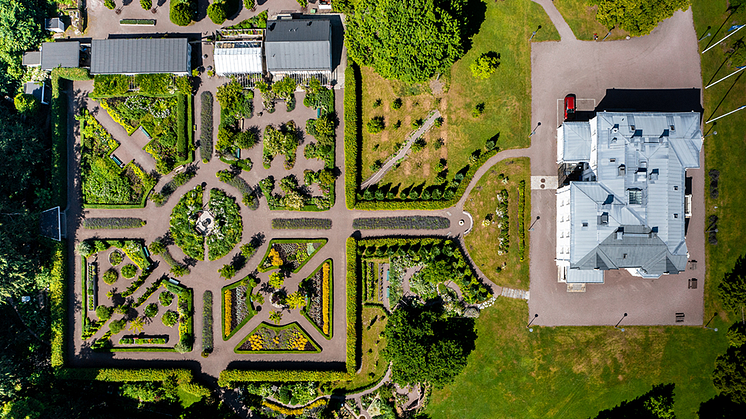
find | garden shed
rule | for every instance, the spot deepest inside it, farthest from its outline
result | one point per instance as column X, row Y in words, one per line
column 299, row 48
column 60, row 54
column 141, row 56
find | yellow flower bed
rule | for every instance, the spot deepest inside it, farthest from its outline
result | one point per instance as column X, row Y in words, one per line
column 274, row 256
column 227, row 316
column 325, row 280
column 293, row 411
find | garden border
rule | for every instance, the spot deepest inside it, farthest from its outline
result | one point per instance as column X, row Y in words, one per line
column 222, row 309
column 331, row 300
column 284, row 351
column 266, row 255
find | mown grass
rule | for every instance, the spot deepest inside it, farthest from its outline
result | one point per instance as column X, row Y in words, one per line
column 574, row 372
column 482, row 241
column 725, row 151
column 582, row 20
column 506, row 94
column 373, row 366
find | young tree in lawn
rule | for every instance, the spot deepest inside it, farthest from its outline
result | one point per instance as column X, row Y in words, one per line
column 484, row 66
column 732, row 288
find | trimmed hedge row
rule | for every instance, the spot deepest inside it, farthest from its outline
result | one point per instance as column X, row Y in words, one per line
column 522, row 219
column 293, row 411
column 58, row 303
column 207, row 334
column 205, row 134
column 121, row 375
column 113, row 223
column 353, row 132
column 301, row 224
column 230, row 378
column 416, row 222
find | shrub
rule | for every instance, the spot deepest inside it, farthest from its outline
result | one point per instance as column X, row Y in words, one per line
column 376, row 125
column 129, row 271
column 151, row 310
column 207, row 341
column 478, row 110
column 166, row 298
column 205, row 136
column 438, row 122
column 216, row 12
column 353, row 132
column 484, row 66
column 110, row 4
column 181, row 12
column 170, row 318
column 396, row 105
column 227, row 271
column 116, row 258
column 113, row 223
column 146, row 4
column 26, row 103
column 116, row 326
column 104, row 313
column 416, row 222
column 249, row 4
column 110, row 276
column 301, row 223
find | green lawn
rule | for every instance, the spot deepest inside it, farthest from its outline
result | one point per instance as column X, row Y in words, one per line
column 482, row 242
column 506, row 94
column 373, row 366
column 582, row 20
column 724, row 152
column 574, row 372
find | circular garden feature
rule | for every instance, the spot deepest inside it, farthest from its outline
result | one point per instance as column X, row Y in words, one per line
column 216, row 223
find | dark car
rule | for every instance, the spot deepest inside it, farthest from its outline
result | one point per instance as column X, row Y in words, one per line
column 570, row 107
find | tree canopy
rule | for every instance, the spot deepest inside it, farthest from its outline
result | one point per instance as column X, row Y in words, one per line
column 732, row 289
column 427, row 346
column 638, row 17
column 730, row 374
column 407, row 40
column 20, row 30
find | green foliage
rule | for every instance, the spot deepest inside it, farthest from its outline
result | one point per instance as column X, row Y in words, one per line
column 110, row 4
column 396, row 104
column 151, row 310
column 216, row 12
column 154, row 84
column 276, row 280
column 146, row 4
column 249, row 4
column 170, row 318
column 376, row 125
column 228, row 225
column 281, row 141
column 638, row 17
column 353, row 132
column 110, row 85
column 26, row 103
column 655, row 404
column 182, row 12
column 385, row 38
column 205, row 135
column 113, row 223
column 737, row 334
column 423, row 346
column 227, row 271
column 732, row 289
column 730, row 375
column 301, row 223
column 20, row 30
column 129, row 271
column 116, row 326
column 104, row 313
column 415, row 222
column 111, row 276
column 183, row 224
column 166, row 298
column 478, row 110
column 484, row 66
column 256, row 21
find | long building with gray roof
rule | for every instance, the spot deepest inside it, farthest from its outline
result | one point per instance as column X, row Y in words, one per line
column 298, row 47
column 626, row 208
column 141, row 56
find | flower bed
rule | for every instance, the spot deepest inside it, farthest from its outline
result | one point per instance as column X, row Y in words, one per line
column 143, row 340
column 301, row 224
column 267, row 338
column 293, row 254
column 237, row 306
column 183, row 224
column 318, row 287
column 104, row 182
column 415, row 222
column 113, row 223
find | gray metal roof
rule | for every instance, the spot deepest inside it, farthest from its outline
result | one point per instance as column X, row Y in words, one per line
column 298, row 45
column 140, row 56
column 32, row 58
column 54, row 24
column 632, row 216
column 572, row 142
column 60, row 54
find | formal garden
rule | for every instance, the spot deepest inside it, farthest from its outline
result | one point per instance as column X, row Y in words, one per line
column 289, row 255
column 319, row 293
column 238, row 305
column 267, row 338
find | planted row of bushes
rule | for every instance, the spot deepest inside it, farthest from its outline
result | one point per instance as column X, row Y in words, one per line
column 301, row 224
column 160, row 198
column 207, row 337
column 353, row 132
column 231, row 378
column 293, row 411
column 416, row 222
column 249, row 197
column 113, row 223
column 205, row 135
column 522, row 219
column 143, row 341
column 58, row 303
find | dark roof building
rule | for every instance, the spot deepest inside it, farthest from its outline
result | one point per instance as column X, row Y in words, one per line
column 39, row 90
column 299, row 46
column 60, row 54
column 32, row 58
column 141, row 56
column 54, row 24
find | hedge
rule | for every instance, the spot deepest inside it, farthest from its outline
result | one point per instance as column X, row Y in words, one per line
column 288, row 411
column 416, row 222
column 353, row 132
column 522, row 219
column 301, row 224
column 121, row 375
column 205, row 135
column 113, row 223
column 230, row 378
column 207, row 336
column 58, row 303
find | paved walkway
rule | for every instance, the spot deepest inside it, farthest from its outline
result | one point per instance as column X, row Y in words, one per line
column 403, row 152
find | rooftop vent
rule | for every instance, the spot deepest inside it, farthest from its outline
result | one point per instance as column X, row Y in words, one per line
column 638, row 133
column 622, row 170
column 665, row 133
column 603, row 219
column 620, row 233
column 654, row 175
column 615, row 129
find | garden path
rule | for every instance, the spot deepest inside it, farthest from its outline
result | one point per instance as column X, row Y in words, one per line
column 404, row 150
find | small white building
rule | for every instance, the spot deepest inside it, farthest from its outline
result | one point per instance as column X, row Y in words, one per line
column 243, row 55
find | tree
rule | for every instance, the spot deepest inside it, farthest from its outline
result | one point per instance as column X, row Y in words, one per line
column 426, row 346
column 110, row 4
column 170, row 318
column 216, row 12
column 411, row 42
column 730, row 374
column 276, row 280
column 26, row 103
column 732, row 288
column 638, row 17
column 104, row 313
column 179, row 270
column 136, row 325
column 376, row 125
column 275, row 316
column 227, row 271
column 484, row 66
column 146, row 4
column 20, row 30
column 246, row 139
column 181, row 12
column 116, row 326
column 151, row 310
column 296, row 300
column 655, row 404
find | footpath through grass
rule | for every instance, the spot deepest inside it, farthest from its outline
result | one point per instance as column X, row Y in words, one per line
column 506, row 96
column 505, row 270
column 574, row 372
column 725, row 151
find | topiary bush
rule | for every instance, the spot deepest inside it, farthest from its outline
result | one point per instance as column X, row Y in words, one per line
column 26, row 103
column 170, row 318
column 110, row 276
column 166, row 298
column 216, row 12
column 151, row 310
column 146, row 4
column 181, row 12
column 110, row 4
column 129, row 271
column 104, row 313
